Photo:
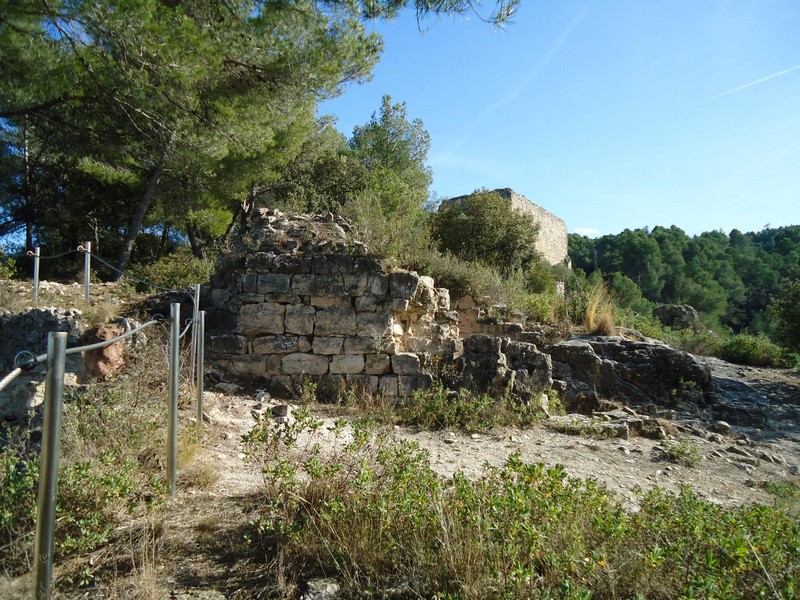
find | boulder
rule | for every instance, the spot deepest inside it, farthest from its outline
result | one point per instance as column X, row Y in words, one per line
column 631, row 372
column 676, row 316
column 102, row 363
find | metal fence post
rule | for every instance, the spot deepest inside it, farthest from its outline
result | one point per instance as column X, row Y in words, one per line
column 36, row 257
column 174, row 367
column 87, row 268
column 195, row 324
column 201, row 350
column 48, row 471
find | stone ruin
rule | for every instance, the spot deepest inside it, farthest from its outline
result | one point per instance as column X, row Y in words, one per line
column 300, row 299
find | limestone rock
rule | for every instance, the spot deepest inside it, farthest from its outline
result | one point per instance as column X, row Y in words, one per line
column 104, row 362
column 677, row 316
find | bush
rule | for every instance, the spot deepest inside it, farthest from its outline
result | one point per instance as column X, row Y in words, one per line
column 373, row 514
column 177, row 270
column 753, row 350
column 483, row 227
column 599, row 315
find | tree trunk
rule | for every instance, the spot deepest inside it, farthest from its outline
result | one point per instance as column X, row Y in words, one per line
column 141, row 211
column 196, row 240
column 242, row 214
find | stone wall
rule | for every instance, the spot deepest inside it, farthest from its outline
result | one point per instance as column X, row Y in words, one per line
column 552, row 239
column 298, row 299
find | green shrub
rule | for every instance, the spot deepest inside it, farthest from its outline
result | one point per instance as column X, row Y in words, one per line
column 754, row 350
column 372, row 513
column 177, row 270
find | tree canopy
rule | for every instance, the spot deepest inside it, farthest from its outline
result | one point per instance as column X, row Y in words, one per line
column 116, row 116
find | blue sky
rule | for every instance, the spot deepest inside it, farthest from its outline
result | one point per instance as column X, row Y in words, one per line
column 612, row 114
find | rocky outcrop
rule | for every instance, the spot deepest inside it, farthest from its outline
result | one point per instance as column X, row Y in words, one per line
column 631, row 372
column 299, row 299
column 104, row 362
column 677, row 316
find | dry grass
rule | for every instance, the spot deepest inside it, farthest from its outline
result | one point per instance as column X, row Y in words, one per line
column 599, row 316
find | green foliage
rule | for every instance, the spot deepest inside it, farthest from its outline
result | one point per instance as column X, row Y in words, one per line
column 787, row 311
column 482, row 227
column 733, row 279
column 440, row 408
column 177, row 270
column 372, row 513
column 683, row 453
column 8, row 266
column 754, row 350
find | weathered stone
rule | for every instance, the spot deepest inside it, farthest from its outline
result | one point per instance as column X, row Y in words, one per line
column 377, row 364
column 331, row 301
column 291, row 264
column 376, row 324
column 327, row 345
column 262, row 318
column 356, row 285
column 335, row 321
column 397, row 304
column 443, row 300
column 329, row 284
column 280, row 344
column 347, row 363
column 403, row 284
column 273, row 365
column 332, row 263
column 387, row 385
column 249, row 365
column 405, row 363
column 300, row 319
column 105, row 362
column 304, row 285
column 677, row 316
column 302, row 363
column 408, row 384
column 378, row 284
column 248, row 283
column 366, row 264
column 367, row 383
column 364, row 345
column 227, row 344
column 273, row 283
column 367, row 304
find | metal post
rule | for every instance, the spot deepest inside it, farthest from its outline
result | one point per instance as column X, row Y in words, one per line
column 201, row 350
column 174, row 367
column 36, row 256
column 87, row 268
column 48, row 471
column 195, row 324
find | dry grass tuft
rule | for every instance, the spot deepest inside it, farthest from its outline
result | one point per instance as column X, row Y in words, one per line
column 599, row 315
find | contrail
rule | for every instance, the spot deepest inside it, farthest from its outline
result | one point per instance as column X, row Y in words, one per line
column 756, row 82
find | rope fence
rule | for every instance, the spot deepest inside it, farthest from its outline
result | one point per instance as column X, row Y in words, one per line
column 55, row 359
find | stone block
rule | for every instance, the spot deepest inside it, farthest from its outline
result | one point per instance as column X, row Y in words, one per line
column 443, row 299
column 387, row 385
column 291, row 264
column 335, row 321
column 405, row 363
column 356, row 285
column 300, row 319
column 280, row 344
column 398, row 304
column 408, row 384
column 303, row 285
column 328, row 284
column 262, row 318
column 367, row 383
column 273, row 283
column 273, row 365
column 377, row 324
column 248, row 283
column 250, row 298
column 332, row 263
column 260, row 261
column 304, row 363
column 220, row 297
column 377, row 364
column 364, row 345
column 327, row 345
column 347, row 363
column 403, row 284
column 227, row 344
column 249, row 365
column 367, row 304
column 379, row 284
column 366, row 264
column 331, row 301
column 282, row 298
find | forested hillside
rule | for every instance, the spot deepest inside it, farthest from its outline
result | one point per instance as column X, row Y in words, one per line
column 734, row 279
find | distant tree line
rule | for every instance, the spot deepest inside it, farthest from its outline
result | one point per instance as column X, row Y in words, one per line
column 735, row 279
